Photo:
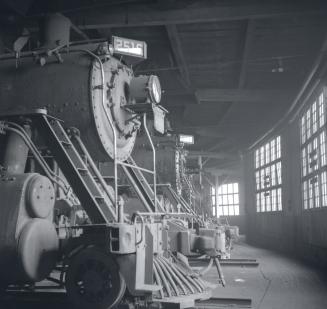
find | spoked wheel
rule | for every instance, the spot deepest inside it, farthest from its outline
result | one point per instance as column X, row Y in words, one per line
column 93, row 280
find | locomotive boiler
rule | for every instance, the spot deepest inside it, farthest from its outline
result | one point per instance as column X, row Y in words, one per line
column 64, row 108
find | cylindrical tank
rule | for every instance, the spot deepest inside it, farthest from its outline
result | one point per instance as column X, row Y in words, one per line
column 73, row 91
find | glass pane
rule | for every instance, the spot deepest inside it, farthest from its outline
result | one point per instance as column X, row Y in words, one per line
column 262, row 156
column 304, row 162
column 322, row 140
column 267, row 147
column 273, row 150
column 278, row 148
column 235, row 187
column 263, row 202
column 273, row 200
column 256, row 158
column 303, row 129
column 258, row 202
column 314, row 117
column 279, row 199
column 322, row 112
column 324, row 189
column 236, row 199
column 305, row 195
column 237, row 210
column 308, row 118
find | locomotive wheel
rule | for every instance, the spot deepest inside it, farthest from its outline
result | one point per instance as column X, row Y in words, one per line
column 93, row 280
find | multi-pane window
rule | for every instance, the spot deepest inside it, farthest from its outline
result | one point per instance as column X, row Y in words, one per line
column 313, row 153
column 228, row 200
column 268, row 176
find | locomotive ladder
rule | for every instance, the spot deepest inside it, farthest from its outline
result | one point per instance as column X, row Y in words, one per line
column 141, row 185
column 95, row 197
column 179, row 200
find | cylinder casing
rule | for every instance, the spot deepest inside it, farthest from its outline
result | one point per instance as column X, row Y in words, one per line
column 28, row 240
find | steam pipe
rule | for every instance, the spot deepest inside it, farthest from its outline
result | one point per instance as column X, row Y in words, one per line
column 154, row 162
column 15, row 156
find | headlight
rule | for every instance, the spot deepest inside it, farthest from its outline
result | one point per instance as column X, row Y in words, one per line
column 145, row 88
column 155, row 89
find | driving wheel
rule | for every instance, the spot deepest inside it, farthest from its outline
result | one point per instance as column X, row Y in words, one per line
column 93, row 280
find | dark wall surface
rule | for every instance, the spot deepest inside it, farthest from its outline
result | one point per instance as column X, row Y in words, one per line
column 293, row 230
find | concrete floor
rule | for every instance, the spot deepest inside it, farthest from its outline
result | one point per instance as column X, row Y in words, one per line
column 279, row 282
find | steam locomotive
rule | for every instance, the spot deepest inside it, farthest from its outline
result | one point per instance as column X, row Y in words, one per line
column 65, row 108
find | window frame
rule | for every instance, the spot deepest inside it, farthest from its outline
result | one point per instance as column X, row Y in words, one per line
column 268, row 176
column 225, row 194
column 313, row 152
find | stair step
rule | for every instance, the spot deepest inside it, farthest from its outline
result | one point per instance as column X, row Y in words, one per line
column 66, row 143
column 82, row 171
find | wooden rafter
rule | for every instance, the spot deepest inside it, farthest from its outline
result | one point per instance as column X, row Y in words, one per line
column 177, row 50
column 138, row 15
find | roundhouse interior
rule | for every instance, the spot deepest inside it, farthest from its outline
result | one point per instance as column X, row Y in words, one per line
column 245, row 81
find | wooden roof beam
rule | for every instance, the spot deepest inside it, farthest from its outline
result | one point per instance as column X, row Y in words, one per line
column 250, row 28
column 177, row 50
column 140, row 15
column 240, row 95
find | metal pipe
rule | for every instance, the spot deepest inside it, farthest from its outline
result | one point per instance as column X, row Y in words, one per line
column 20, row 131
column 180, row 275
column 136, row 167
column 121, row 215
column 163, row 278
column 134, row 218
column 175, row 277
column 154, row 162
column 137, row 190
column 37, row 155
column 189, row 277
column 207, row 268
column 199, row 282
column 158, row 280
column 220, row 272
column 16, row 152
column 168, row 276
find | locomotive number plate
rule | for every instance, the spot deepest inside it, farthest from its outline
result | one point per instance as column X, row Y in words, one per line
column 129, row 47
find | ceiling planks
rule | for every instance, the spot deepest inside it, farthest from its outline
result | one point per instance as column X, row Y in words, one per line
column 138, row 15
